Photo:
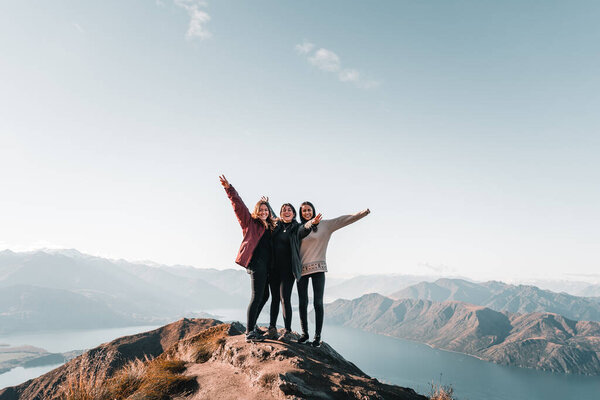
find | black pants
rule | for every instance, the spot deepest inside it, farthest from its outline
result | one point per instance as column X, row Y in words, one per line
column 260, row 291
column 318, row 284
column 281, row 291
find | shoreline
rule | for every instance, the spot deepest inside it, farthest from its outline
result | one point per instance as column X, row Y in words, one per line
column 477, row 357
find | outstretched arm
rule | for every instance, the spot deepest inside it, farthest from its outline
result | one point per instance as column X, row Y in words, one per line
column 240, row 209
column 345, row 220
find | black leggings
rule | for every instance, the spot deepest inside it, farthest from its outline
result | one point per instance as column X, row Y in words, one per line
column 260, row 291
column 318, row 284
column 281, row 290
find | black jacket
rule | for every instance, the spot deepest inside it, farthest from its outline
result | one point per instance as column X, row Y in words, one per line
column 297, row 233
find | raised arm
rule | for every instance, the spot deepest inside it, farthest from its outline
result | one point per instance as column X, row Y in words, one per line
column 345, row 220
column 241, row 211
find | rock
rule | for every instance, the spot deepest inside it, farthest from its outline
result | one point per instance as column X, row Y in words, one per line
column 207, row 359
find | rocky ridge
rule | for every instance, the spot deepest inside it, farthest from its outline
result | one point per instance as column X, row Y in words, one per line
column 500, row 296
column 206, row 359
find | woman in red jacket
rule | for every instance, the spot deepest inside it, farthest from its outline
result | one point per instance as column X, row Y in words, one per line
column 255, row 252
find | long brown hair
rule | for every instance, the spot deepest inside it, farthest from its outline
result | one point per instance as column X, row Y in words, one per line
column 270, row 222
column 308, row 203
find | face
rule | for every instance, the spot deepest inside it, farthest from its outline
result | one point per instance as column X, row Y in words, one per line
column 287, row 214
column 263, row 212
column 307, row 212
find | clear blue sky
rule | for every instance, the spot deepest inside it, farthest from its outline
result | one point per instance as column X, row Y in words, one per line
column 470, row 128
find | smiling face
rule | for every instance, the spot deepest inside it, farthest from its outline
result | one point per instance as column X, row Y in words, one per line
column 307, row 212
column 287, row 213
column 263, row 212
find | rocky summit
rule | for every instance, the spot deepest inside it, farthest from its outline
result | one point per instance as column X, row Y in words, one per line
column 206, row 359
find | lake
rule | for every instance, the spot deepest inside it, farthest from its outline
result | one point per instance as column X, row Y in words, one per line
column 389, row 359
column 416, row 365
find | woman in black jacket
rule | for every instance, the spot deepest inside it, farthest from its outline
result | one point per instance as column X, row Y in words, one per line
column 286, row 266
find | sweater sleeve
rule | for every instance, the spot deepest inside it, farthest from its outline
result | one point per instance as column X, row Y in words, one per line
column 240, row 209
column 342, row 221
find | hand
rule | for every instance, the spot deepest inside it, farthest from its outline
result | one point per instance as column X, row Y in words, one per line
column 368, row 211
column 224, row 182
column 317, row 219
column 265, row 199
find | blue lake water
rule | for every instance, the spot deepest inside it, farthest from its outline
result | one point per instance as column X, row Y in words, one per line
column 416, row 365
column 390, row 360
column 60, row 342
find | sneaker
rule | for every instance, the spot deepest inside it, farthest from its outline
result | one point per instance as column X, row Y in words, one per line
column 303, row 338
column 285, row 337
column 317, row 341
column 254, row 336
column 260, row 330
column 272, row 333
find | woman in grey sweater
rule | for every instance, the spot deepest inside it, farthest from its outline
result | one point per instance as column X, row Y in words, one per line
column 313, row 250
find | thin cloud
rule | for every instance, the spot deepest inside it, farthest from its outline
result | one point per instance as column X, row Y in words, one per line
column 304, row 48
column 198, row 18
column 328, row 61
column 349, row 75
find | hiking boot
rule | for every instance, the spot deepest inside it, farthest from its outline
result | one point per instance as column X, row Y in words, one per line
column 317, row 341
column 285, row 337
column 303, row 338
column 272, row 333
column 254, row 336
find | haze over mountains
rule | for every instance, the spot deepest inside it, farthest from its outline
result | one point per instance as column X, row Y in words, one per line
column 45, row 290
column 504, row 297
column 38, row 287
column 537, row 340
column 388, row 284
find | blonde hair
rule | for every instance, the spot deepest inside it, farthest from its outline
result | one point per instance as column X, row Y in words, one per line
column 270, row 223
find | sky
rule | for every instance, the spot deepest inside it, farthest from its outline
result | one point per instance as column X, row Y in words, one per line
column 469, row 128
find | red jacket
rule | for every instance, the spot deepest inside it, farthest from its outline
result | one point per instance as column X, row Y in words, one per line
column 252, row 229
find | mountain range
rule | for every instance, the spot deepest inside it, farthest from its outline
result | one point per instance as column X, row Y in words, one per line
column 36, row 288
column 500, row 296
column 538, row 340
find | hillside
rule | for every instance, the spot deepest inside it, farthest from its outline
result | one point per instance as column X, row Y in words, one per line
column 504, row 297
column 199, row 359
column 537, row 340
column 36, row 287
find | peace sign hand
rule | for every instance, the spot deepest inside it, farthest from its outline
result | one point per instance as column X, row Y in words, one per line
column 317, row 219
column 224, row 181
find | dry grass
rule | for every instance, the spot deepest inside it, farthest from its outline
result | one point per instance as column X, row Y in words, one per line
column 83, row 389
column 267, row 379
column 162, row 378
column 156, row 379
column 206, row 342
column 439, row 392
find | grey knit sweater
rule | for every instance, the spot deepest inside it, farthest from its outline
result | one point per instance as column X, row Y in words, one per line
column 313, row 248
